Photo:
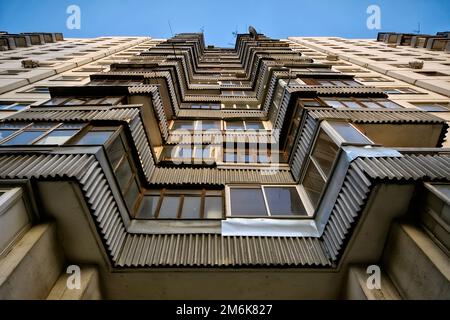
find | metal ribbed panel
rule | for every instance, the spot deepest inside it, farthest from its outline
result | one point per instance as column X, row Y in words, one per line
column 143, row 146
column 214, row 176
column 224, row 114
column 282, row 110
column 91, row 178
column 378, row 116
column 129, row 114
column 361, row 176
column 203, row 250
column 408, row 167
column 336, row 91
column 303, row 145
column 67, row 114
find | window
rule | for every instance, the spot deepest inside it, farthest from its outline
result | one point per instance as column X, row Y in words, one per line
column 74, row 101
column 360, row 103
column 95, row 136
column 404, row 90
column 68, row 78
column 12, row 72
column 91, row 69
column 374, row 79
column 190, row 154
column 432, row 73
column 433, row 106
column 211, row 106
column 196, row 125
column 241, row 106
column 37, row 89
column 38, row 133
column 324, row 153
column 434, row 213
column 239, row 93
column 181, row 204
column 266, row 201
column 14, row 106
column 244, row 125
column 330, row 82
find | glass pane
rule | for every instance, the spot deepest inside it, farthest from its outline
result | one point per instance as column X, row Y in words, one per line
column 443, row 188
column 124, row 174
column 95, row 137
column 57, row 137
column 235, row 125
column 349, row 133
column 55, row 101
column 284, row 201
column 6, row 133
column 334, row 104
column 241, row 204
column 131, row 196
column 191, row 208
column 44, row 125
column 148, row 207
column 25, row 137
column 389, row 104
column 213, row 208
column 254, row 125
column 169, row 207
column 115, row 151
column 184, row 125
column 313, row 184
column 325, row 151
column 371, row 105
column 352, row 104
column 208, row 125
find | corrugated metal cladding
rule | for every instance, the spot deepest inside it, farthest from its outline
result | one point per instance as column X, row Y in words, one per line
column 304, row 143
column 160, row 250
column 214, row 176
column 89, row 174
column 209, row 250
column 130, row 114
column 331, row 91
column 282, row 110
column 378, row 116
column 157, row 104
column 224, row 114
column 362, row 175
column 63, row 114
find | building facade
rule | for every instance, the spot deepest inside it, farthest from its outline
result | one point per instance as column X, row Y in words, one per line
column 166, row 168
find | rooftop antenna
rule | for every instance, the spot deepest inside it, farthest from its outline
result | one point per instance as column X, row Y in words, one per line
column 234, row 33
column 173, row 46
column 418, row 28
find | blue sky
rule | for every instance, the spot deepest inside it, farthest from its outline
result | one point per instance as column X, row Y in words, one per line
column 218, row 19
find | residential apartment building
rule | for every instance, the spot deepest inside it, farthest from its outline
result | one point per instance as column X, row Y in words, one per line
column 174, row 169
column 414, row 70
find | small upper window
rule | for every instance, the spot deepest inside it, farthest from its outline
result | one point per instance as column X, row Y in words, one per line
column 37, row 133
column 433, row 106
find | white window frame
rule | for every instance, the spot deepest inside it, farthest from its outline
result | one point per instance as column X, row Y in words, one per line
column 301, row 195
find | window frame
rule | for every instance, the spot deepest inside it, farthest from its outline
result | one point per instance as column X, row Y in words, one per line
column 182, row 193
column 228, row 213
